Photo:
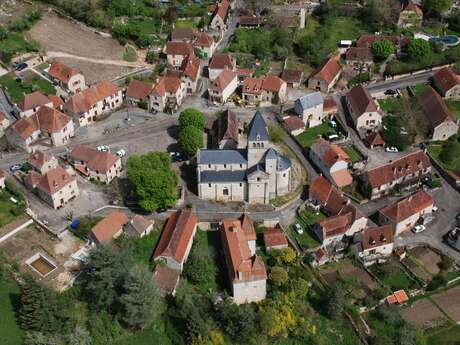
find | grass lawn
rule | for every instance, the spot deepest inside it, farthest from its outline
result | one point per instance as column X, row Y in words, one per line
column 435, row 150
column 143, row 247
column 342, row 28
column 392, row 105
column 16, row 89
column 354, row 154
column 83, row 229
column 16, row 43
column 334, row 331
column 145, row 26
column 454, row 107
column 306, row 219
column 444, row 336
column 418, row 89
column 393, row 276
column 186, row 24
column 6, row 207
column 9, row 300
column 156, row 334
column 311, row 134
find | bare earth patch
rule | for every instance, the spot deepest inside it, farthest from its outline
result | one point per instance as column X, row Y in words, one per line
column 449, row 301
column 428, row 258
column 422, row 313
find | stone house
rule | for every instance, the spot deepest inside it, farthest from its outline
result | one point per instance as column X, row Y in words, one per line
column 364, row 111
column 441, row 122
column 220, row 16
column 66, row 77
column 310, row 109
column 226, row 130
column 185, row 34
column 108, row 228
column 205, row 44
column 274, row 238
column 4, row 123
column 294, row 124
column 177, row 52
column 32, row 102
column 94, row 164
column 325, row 76
column 360, row 58
column 332, row 161
column 223, row 87
column 447, row 82
column 220, row 62
column 293, row 78
column 56, row 187
column 374, row 245
column 264, row 89
column 400, row 42
column 405, row 172
column 42, row 162
column 168, row 94
column 94, row 101
column 138, row 92
column 404, row 214
column 138, row 226
column 246, row 270
column 191, row 70
column 411, row 15
column 255, row 174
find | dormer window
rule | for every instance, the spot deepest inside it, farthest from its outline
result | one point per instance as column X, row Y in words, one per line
column 258, row 137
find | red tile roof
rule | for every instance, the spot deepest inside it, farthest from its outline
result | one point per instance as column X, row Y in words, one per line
column 376, row 237
column 57, row 101
column 329, row 105
column 166, row 278
column 375, row 139
column 25, row 127
column 294, row 123
column 191, row 66
column 179, row 48
column 221, row 61
column 407, row 165
column 109, row 226
column 33, row 100
column 222, row 9
column 292, row 76
column 61, row 72
column 359, row 54
column 85, row 100
column 95, row 160
column 275, row 237
column 272, row 83
column 252, row 86
column 335, row 225
column 446, row 79
column 54, row 180
column 39, row 158
column 366, row 41
column 407, row 207
column 329, row 153
column 414, row 8
column 52, row 120
column 168, row 84
column 244, row 265
column 227, row 126
column 139, row 89
column 328, row 71
column 203, row 40
column 434, row 107
column 248, row 227
column 399, row 297
column 361, row 101
column 177, row 235
column 223, row 80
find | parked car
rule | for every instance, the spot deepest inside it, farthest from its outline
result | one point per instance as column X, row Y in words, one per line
column 390, row 92
column 333, row 124
column 332, row 137
column 298, row 228
column 418, row 228
column 21, row 66
column 391, row 149
column 176, row 156
column 103, row 148
column 15, row 167
column 121, row 153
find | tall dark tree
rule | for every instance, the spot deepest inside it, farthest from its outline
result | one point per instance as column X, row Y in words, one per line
column 239, row 322
column 336, row 302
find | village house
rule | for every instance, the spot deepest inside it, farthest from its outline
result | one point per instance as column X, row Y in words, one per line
column 364, row 111
column 274, row 238
column 294, row 124
column 57, row 102
column 361, row 58
column 223, row 87
column 226, row 131
column 66, row 77
column 247, row 272
column 264, row 89
column 255, row 174
column 4, row 123
column 366, row 41
column 168, row 94
column 138, row 92
column 411, row 15
column 374, row 245
column 250, row 22
column 94, row 164
column 406, row 213
column 375, row 139
column 405, row 172
column 447, row 82
column 2, row 179
column 138, row 226
column 442, row 123
column 220, row 16
column 185, row 34
column 177, row 52
column 47, row 124
column 310, row 109
column 108, row 228
column 293, row 78
column 325, row 76
column 220, row 62
column 173, row 249
column 205, row 44
column 332, row 161
column 42, row 162
column 190, row 73
column 31, row 102
column 56, row 187
column 96, row 100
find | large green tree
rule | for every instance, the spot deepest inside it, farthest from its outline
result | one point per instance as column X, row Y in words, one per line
column 154, row 182
column 238, row 322
column 190, row 140
column 335, row 302
column 279, row 276
column 419, row 49
column 142, row 303
column 437, row 6
column 192, row 117
column 382, row 49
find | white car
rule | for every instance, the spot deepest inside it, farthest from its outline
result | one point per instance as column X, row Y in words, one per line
column 103, row 148
column 418, row 228
column 298, row 228
column 391, row 149
column 121, row 153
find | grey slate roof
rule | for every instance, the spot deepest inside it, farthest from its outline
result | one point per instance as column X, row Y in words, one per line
column 271, row 154
column 222, row 176
column 311, row 100
column 221, row 157
column 283, row 163
column 258, row 128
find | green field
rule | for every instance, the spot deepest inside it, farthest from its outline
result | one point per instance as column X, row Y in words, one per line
column 392, row 275
column 353, row 153
column 311, row 134
column 17, row 90
column 6, row 208
column 445, row 336
column 392, row 105
column 306, row 219
column 454, row 107
column 435, row 150
column 9, row 299
column 13, row 44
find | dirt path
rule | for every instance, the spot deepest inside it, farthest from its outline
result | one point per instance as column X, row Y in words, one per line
column 122, row 63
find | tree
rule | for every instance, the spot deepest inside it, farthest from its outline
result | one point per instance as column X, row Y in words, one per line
column 150, row 57
column 450, row 152
column 154, row 182
column 336, row 302
column 276, row 133
column 382, row 49
column 79, row 336
column 141, row 300
column 437, row 7
column 454, row 21
column 39, row 338
column 199, row 270
column 278, row 276
column 191, row 117
column 190, row 140
column 238, row 322
column 418, row 49
column 3, row 33
column 287, row 256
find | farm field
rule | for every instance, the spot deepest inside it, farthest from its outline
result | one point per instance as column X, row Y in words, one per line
column 449, row 301
column 421, row 313
column 9, row 299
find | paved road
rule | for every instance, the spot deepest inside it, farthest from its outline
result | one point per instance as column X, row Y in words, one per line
column 400, row 83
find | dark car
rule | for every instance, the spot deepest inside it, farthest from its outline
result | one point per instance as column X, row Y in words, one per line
column 21, row 66
column 390, row 92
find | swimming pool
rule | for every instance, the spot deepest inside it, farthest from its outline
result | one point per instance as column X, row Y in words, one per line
column 450, row 40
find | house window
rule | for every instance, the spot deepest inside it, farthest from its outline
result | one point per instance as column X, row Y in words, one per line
column 241, row 185
column 241, row 165
column 225, row 166
column 258, row 179
column 209, row 166
column 372, row 252
column 225, row 191
column 209, row 185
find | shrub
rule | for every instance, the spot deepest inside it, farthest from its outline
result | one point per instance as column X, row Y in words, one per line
column 437, row 282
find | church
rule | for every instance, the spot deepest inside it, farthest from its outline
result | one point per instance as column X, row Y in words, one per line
column 255, row 174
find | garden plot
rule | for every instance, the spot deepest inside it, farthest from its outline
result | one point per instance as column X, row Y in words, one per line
column 428, row 258
column 346, row 271
column 423, row 313
column 449, row 301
